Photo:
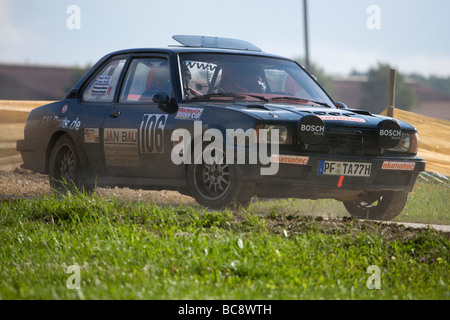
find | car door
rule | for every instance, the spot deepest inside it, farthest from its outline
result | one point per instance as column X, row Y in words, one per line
column 137, row 134
column 94, row 103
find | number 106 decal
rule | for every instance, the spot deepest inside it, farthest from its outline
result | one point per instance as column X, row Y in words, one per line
column 151, row 133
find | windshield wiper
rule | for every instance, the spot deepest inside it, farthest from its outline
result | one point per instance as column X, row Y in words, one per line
column 218, row 95
column 258, row 97
column 300, row 99
column 289, row 99
column 322, row 103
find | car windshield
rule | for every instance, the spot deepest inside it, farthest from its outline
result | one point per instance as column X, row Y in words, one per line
column 212, row 76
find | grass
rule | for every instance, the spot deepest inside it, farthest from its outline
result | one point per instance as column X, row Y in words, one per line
column 428, row 203
column 137, row 250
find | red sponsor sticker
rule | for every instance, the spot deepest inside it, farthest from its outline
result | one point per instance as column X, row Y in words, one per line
column 398, row 165
column 286, row 159
column 64, row 108
column 341, row 118
column 189, row 113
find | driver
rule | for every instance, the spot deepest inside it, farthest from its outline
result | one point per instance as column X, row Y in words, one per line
column 252, row 79
column 245, row 79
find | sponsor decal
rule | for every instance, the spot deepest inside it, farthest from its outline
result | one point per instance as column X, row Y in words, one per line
column 121, row 147
column 189, row 113
column 398, row 165
column 70, row 125
column 123, row 136
column 101, row 85
column 64, row 108
column 342, row 118
column 91, row 135
column 288, row 159
column 151, row 133
column 311, row 129
column 389, row 133
column 316, row 129
column 46, row 121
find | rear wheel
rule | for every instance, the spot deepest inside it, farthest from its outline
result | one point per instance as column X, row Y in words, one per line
column 65, row 172
column 384, row 205
column 218, row 185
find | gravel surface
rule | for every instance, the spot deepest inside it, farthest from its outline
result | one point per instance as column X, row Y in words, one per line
column 18, row 182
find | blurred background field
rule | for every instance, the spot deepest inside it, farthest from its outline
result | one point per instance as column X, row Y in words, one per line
column 13, row 114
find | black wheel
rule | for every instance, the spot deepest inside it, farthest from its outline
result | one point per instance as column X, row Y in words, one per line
column 218, row 185
column 65, row 172
column 384, row 205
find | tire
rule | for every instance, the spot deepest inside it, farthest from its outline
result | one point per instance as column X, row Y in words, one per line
column 384, row 205
column 65, row 171
column 218, row 185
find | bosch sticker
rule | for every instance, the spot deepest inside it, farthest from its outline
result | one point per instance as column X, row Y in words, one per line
column 389, row 133
column 311, row 129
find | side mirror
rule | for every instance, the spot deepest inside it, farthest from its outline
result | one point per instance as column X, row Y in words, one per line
column 341, row 105
column 164, row 102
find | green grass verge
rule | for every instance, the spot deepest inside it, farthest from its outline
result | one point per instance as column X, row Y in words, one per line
column 143, row 251
column 428, row 203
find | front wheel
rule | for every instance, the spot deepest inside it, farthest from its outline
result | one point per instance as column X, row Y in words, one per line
column 65, row 172
column 218, row 185
column 384, row 205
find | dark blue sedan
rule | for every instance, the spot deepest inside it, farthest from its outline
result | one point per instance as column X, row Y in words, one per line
column 221, row 121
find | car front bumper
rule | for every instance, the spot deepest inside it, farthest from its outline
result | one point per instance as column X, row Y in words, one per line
column 306, row 178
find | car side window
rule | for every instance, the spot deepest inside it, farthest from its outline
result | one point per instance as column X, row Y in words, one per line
column 145, row 77
column 103, row 86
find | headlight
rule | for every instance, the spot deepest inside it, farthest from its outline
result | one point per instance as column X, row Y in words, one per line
column 409, row 142
column 284, row 134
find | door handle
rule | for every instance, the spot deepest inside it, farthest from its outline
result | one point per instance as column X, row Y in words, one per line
column 115, row 114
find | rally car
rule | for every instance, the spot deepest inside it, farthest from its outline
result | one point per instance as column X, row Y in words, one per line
column 221, row 121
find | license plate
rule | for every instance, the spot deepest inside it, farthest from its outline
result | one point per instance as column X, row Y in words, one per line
column 357, row 169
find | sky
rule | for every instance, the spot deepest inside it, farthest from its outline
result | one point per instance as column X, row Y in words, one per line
column 344, row 36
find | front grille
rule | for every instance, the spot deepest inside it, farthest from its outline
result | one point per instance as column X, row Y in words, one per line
column 348, row 142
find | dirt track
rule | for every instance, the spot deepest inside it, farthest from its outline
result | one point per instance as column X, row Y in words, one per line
column 17, row 182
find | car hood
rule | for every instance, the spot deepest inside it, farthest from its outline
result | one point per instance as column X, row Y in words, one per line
column 274, row 112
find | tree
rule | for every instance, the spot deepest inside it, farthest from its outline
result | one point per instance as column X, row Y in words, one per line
column 437, row 83
column 376, row 91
